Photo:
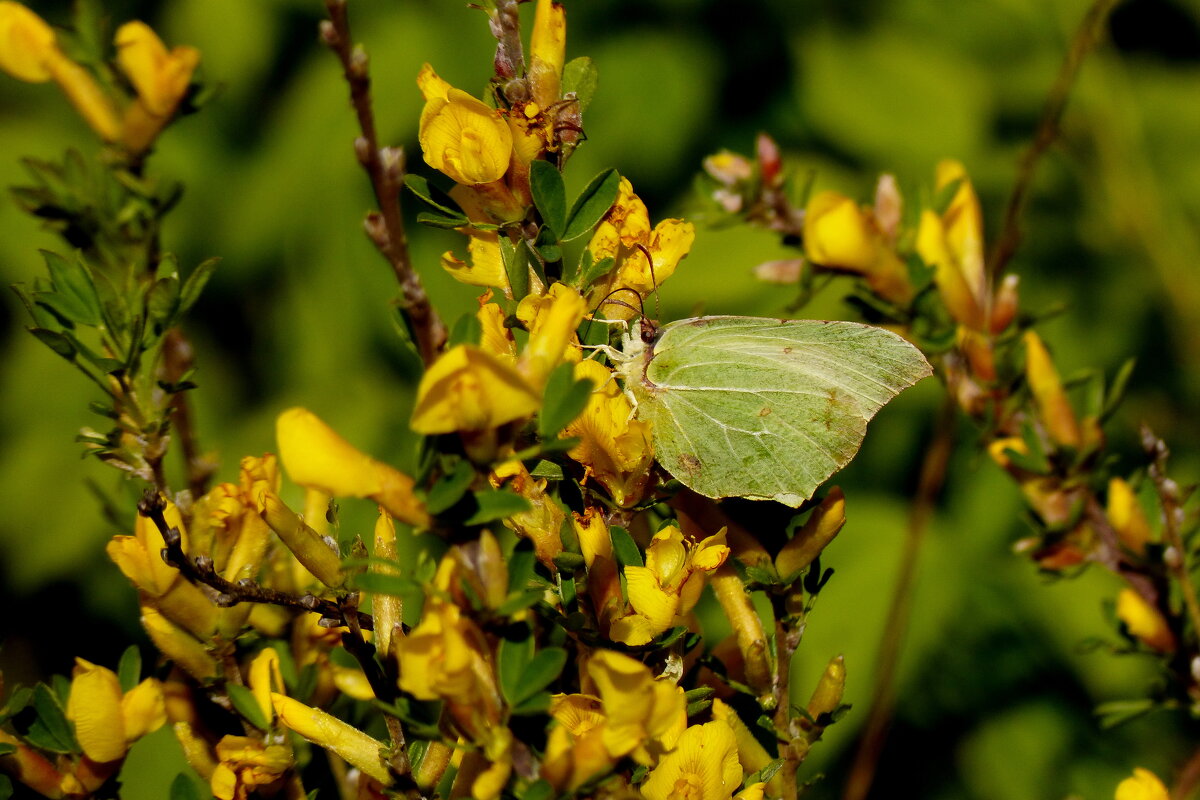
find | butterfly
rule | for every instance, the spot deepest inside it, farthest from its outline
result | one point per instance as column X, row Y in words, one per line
column 762, row 408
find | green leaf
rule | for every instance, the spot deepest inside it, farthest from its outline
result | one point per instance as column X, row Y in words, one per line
column 195, row 283
column 247, row 705
column 50, row 729
column 184, row 788
column 441, row 220
column 540, row 672
column 538, row 790
column 162, row 301
column 624, row 548
column 593, row 271
column 1120, row 711
column 7, row 749
column 592, row 204
column 538, row 704
column 450, row 488
column 513, row 656
column 129, row 668
column 56, row 342
column 496, row 504
column 74, row 288
column 516, row 267
column 565, row 399
column 432, row 196
column 6, row 787
column 466, row 330
column 1116, row 391
column 548, row 470
column 580, row 76
column 549, row 195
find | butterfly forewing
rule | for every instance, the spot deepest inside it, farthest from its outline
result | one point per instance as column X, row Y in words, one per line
column 768, row 409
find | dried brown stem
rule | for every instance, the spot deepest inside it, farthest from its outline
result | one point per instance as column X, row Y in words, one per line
column 883, row 699
column 1189, row 778
column 385, row 167
column 1086, row 38
column 200, row 570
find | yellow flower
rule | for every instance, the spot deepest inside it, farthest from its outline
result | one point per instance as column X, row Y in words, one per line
column 247, row 764
column 460, row 135
column 356, row 747
column 139, row 559
column 542, row 523
column 818, row 531
column 1052, row 404
column 497, row 339
column 645, row 716
column 703, row 766
column 614, row 448
column 953, row 244
column 1144, row 621
column 551, row 319
column 484, row 267
column 161, row 79
column 547, row 51
column 443, row 658
column 575, row 751
column 751, row 754
column 1126, row 516
column 188, row 652
column 669, row 586
column 108, row 720
column 644, row 258
column 468, row 389
column 1144, row 785
column 839, row 235
column 27, row 43
column 315, row 456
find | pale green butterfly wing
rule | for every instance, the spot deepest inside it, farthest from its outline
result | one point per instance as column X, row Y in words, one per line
column 763, row 408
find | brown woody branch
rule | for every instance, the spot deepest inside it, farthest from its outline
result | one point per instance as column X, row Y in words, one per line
column 385, row 167
column 200, row 570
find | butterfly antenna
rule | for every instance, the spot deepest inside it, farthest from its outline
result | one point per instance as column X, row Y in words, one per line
column 653, row 280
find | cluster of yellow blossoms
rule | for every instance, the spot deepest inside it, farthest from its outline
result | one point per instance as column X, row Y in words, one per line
column 30, row 51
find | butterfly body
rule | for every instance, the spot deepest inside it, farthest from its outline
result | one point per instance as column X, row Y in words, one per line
column 763, row 408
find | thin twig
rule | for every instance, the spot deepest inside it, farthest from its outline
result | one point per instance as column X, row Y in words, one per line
column 201, row 570
column 883, row 700
column 1173, row 517
column 1086, row 37
column 178, row 358
column 1188, row 779
column 385, row 167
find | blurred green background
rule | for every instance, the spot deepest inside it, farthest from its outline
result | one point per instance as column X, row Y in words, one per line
column 996, row 692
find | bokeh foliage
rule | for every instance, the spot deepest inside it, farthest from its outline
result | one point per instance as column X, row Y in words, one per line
column 993, row 673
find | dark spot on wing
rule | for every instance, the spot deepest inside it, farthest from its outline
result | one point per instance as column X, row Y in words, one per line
column 689, row 464
column 833, row 407
column 764, row 411
column 787, row 350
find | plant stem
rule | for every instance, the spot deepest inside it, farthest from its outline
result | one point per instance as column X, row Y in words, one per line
column 385, row 167
column 201, row 571
column 883, row 699
column 1086, row 37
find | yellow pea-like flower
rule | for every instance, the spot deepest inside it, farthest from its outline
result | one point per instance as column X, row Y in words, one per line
column 464, row 138
column 468, row 389
column 329, row 732
column 1144, row 621
column 1142, row 785
column 159, row 76
column 547, row 52
column 27, row 43
column 552, row 319
column 839, row 235
column 703, row 766
column 107, row 720
column 316, row 456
